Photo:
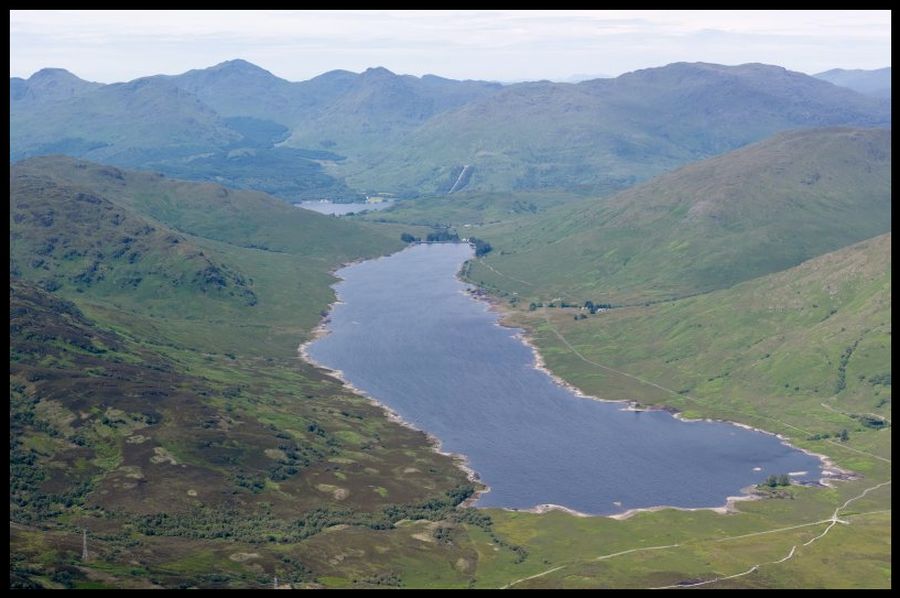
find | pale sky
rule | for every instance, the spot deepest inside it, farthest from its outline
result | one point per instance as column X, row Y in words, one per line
column 109, row 46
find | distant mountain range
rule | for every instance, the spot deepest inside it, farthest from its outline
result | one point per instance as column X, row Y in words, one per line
column 341, row 133
column 875, row 83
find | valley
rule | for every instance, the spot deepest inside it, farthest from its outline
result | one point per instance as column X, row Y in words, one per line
column 214, row 387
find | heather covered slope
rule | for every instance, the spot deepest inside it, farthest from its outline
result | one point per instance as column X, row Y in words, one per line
column 712, row 224
column 156, row 397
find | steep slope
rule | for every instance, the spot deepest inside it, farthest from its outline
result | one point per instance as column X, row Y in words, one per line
column 876, row 83
column 609, row 133
column 68, row 236
column 709, row 225
column 139, row 237
column 784, row 344
column 253, row 219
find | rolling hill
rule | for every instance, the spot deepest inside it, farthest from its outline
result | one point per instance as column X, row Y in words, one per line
column 712, row 224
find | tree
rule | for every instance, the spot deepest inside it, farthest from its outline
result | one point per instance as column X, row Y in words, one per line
column 481, row 247
column 442, row 235
column 844, row 435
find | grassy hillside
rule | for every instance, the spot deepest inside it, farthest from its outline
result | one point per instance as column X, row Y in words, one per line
column 709, row 225
column 155, row 390
column 119, row 119
column 179, row 251
column 783, row 343
column 153, row 123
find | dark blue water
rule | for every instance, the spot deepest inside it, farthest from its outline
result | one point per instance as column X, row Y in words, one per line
column 406, row 333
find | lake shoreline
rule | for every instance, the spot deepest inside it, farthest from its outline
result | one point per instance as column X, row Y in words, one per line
column 830, row 471
column 460, row 461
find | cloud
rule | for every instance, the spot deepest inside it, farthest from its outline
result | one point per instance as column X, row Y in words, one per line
column 120, row 45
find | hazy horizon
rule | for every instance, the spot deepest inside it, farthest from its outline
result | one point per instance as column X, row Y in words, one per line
column 507, row 46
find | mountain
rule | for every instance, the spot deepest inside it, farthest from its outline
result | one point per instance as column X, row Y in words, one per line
column 48, row 85
column 342, row 134
column 336, row 99
column 154, row 123
column 712, row 224
column 225, row 123
column 122, row 122
column 876, row 83
column 779, row 344
column 378, row 108
column 238, row 88
column 611, row 133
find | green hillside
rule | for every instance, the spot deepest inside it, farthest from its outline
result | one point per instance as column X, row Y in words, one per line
column 781, row 344
column 709, row 225
column 180, row 251
column 156, row 397
column 117, row 120
column 153, row 123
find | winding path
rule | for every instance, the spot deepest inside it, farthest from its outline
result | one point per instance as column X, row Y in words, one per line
column 832, row 521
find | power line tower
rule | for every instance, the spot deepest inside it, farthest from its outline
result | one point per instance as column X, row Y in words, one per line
column 84, row 551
